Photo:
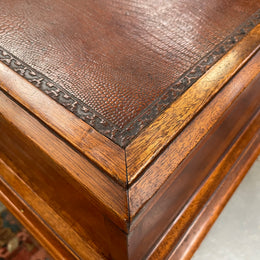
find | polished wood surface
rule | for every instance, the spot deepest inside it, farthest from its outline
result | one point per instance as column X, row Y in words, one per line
column 63, row 159
column 155, row 137
column 87, row 218
column 106, row 154
column 209, row 214
column 233, row 158
column 121, row 142
column 145, row 187
column 174, row 195
column 52, row 239
column 26, row 216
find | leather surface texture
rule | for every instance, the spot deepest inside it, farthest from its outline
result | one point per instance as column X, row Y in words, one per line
column 118, row 64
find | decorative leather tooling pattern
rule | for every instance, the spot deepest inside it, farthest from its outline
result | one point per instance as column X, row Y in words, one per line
column 123, row 136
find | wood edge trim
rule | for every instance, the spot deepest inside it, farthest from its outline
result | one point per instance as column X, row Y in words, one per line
column 143, row 149
column 106, row 194
column 241, row 146
column 216, row 204
column 108, row 155
column 34, row 223
column 233, row 90
column 37, row 234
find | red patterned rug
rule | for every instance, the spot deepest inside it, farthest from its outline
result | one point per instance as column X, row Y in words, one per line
column 16, row 243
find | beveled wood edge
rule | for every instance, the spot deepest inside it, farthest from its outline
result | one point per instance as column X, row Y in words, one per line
column 146, row 186
column 106, row 154
column 53, row 233
column 107, row 192
column 159, row 212
column 148, row 144
column 177, row 235
column 209, row 215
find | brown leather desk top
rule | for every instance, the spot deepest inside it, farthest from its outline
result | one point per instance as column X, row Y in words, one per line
column 119, row 64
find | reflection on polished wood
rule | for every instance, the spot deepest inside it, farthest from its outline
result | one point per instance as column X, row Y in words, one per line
column 173, row 119
column 126, row 126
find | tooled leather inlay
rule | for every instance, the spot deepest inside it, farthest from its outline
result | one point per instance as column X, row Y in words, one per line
column 118, row 64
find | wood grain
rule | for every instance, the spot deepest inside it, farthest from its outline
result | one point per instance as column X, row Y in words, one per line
column 107, row 155
column 209, row 214
column 42, row 231
column 78, row 169
column 77, row 207
column 157, row 214
column 150, row 182
column 184, row 221
column 157, row 135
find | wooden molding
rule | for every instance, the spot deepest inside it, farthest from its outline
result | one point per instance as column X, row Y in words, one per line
column 41, row 230
column 145, row 187
column 183, row 237
column 171, row 198
column 157, row 135
column 73, row 165
column 209, row 214
column 106, row 154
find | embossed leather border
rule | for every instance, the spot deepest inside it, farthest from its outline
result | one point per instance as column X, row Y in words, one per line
column 123, row 136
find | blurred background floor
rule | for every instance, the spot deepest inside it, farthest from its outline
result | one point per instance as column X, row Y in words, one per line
column 236, row 233
column 16, row 243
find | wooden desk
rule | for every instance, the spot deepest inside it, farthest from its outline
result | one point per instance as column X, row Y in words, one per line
column 126, row 126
